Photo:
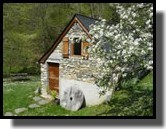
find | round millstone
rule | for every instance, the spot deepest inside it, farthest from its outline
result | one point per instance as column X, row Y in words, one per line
column 72, row 99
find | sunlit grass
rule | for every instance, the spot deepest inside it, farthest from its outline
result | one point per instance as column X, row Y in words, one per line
column 136, row 101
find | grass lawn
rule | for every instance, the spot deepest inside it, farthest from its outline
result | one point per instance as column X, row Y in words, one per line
column 56, row 110
column 134, row 100
column 16, row 94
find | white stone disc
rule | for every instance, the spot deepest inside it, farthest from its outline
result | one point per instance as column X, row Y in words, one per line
column 72, row 98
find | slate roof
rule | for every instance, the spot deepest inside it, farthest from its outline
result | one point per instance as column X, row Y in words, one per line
column 86, row 21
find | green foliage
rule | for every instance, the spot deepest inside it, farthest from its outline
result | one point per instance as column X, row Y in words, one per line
column 30, row 29
column 132, row 103
column 32, row 70
column 53, row 93
column 133, row 99
column 128, row 84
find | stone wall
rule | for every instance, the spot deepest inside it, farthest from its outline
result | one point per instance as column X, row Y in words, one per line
column 75, row 71
column 78, row 69
column 44, row 79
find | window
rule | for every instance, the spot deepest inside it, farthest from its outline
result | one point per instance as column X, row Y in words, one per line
column 77, row 46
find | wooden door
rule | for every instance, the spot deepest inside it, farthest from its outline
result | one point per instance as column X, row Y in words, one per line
column 53, row 70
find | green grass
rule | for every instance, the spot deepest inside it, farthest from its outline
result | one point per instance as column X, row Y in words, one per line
column 16, row 94
column 56, row 110
column 147, row 81
column 137, row 100
column 134, row 100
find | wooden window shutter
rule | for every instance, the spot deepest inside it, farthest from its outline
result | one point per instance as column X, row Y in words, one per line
column 72, row 49
column 65, row 47
column 84, row 48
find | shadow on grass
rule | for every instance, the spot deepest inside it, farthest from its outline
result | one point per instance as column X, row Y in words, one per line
column 131, row 102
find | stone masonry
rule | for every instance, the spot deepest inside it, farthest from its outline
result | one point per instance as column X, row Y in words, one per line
column 75, row 69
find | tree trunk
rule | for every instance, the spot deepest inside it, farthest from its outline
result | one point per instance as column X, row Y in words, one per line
column 91, row 9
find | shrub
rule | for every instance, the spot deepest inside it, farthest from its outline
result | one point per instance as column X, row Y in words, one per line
column 53, row 94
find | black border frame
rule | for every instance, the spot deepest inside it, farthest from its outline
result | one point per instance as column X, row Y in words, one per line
column 101, row 117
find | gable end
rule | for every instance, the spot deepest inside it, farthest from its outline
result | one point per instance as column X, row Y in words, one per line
column 64, row 32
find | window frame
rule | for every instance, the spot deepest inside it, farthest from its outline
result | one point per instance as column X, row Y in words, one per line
column 72, row 48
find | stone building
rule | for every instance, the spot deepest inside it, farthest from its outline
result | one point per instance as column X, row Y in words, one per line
column 67, row 63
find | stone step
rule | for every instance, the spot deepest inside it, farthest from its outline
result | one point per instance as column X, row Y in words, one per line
column 34, row 105
column 37, row 98
column 19, row 110
column 9, row 114
column 43, row 102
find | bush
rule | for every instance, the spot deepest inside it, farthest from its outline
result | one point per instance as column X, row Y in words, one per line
column 32, row 70
column 133, row 99
column 53, row 94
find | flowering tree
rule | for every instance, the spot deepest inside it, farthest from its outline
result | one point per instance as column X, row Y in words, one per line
column 125, row 48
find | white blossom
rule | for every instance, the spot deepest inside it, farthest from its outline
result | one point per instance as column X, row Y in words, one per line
column 101, row 32
column 124, row 75
column 151, row 14
column 150, row 62
column 130, row 49
column 104, row 20
column 96, row 35
column 134, row 14
column 124, row 52
column 88, row 40
column 149, row 67
column 147, row 22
